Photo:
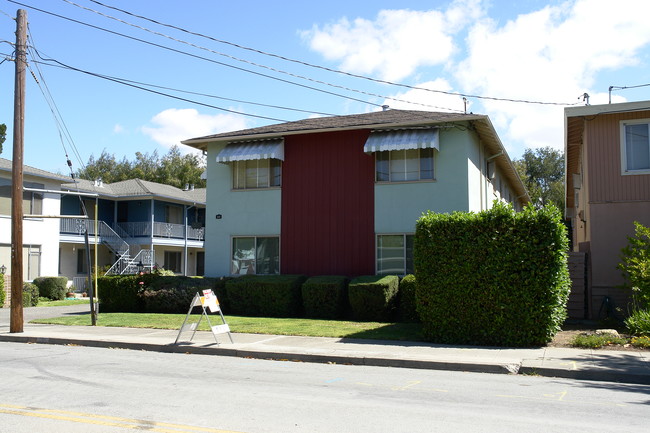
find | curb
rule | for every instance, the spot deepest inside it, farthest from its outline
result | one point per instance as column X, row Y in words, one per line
column 522, row 368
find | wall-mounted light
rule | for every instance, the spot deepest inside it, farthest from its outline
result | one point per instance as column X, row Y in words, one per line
column 3, row 269
column 219, row 216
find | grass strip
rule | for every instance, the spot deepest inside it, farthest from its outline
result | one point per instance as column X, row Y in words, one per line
column 253, row 325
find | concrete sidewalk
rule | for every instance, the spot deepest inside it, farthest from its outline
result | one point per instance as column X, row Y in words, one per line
column 585, row 364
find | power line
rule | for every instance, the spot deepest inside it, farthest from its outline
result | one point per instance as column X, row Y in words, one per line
column 311, row 65
column 193, row 55
column 125, row 80
column 280, row 71
column 105, row 77
column 56, row 114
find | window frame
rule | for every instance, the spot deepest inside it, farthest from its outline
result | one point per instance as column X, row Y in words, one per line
column 255, row 259
column 405, row 258
column 32, row 202
column 623, row 138
column 274, row 175
column 178, row 258
column 420, row 160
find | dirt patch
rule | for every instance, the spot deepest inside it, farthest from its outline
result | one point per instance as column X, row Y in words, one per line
column 566, row 336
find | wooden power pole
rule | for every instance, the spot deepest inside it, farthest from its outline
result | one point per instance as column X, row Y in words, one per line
column 16, row 322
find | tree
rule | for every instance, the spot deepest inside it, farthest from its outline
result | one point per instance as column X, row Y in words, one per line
column 3, row 135
column 172, row 169
column 542, row 171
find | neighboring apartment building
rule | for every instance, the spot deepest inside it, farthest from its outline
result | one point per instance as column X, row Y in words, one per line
column 40, row 235
column 140, row 225
column 607, row 189
column 341, row 195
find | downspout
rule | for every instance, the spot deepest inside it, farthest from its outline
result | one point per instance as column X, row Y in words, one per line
column 185, row 240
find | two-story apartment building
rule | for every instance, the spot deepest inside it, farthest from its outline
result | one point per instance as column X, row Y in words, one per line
column 341, row 195
column 139, row 225
column 40, row 235
column 607, row 188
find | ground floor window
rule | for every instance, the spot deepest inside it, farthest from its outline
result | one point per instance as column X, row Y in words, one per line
column 31, row 260
column 173, row 261
column 82, row 263
column 395, row 254
column 255, row 255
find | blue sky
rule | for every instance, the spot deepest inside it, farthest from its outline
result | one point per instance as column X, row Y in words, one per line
column 537, row 51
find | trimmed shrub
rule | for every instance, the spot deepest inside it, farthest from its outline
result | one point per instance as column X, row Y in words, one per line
column 27, row 299
column 119, row 293
column 325, row 297
column 2, row 290
column 373, row 298
column 32, row 289
column 173, row 294
column 53, row 288
column 265, row 295
column 492, row 278
column 406, row 300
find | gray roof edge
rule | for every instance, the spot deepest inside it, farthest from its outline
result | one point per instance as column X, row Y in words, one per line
column 7, row 165
column 416, row 120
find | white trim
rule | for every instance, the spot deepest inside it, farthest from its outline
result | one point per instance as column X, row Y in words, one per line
column 623, row 146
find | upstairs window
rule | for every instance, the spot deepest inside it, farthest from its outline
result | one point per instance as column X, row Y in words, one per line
column 404, row 165
column 32, row 201
column 635, row 147
column 258, row 173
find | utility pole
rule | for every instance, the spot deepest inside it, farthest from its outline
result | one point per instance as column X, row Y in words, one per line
column 16, row 322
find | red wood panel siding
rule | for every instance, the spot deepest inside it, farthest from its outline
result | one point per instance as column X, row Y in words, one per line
column 606, row 183
column 327, row 205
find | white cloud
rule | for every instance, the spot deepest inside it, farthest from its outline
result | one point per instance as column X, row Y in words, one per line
column 554, row 54
column 118, row 129
column 174, row 125
column 397, row 42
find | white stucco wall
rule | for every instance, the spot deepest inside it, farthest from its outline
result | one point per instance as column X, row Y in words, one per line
column 243, row 212
column 399, row 205
column 41, row 232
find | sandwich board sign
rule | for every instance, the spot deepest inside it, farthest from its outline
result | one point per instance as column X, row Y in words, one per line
column 207, row 301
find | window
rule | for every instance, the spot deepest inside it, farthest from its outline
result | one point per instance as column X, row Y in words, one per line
column 172, row 261
column 32, row 201
column 82, row 263
column 255, row 255
column 173, row 214
column 256, row 173
column 395, row 254
column 404, row 165
column 635, row 147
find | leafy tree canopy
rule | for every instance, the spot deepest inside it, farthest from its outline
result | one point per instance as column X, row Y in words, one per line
column 542, row 171
column 172, row 169
column 3, row 135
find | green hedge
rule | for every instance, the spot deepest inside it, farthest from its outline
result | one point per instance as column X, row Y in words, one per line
column 325, row 297
column 174, row 294
column 265, row 295
column 119, row 293
column 373, row 298
column 492, row 278
column 406, row 300
column 27, row 299
column 32, row 289
column 154, row 293
column 53, row 288
column 2, row 290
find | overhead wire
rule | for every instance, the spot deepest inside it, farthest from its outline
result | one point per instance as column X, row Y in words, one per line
column 45, row 61
column 280, row 71
column 325, row 68
column 108, row 78
column 56, row 113
column 193, row 55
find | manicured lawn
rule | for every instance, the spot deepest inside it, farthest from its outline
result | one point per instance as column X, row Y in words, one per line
column 44, row 302
column 254, row 325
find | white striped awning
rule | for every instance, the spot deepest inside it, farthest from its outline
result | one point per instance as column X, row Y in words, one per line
column 249, row 150
column 380, row 141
